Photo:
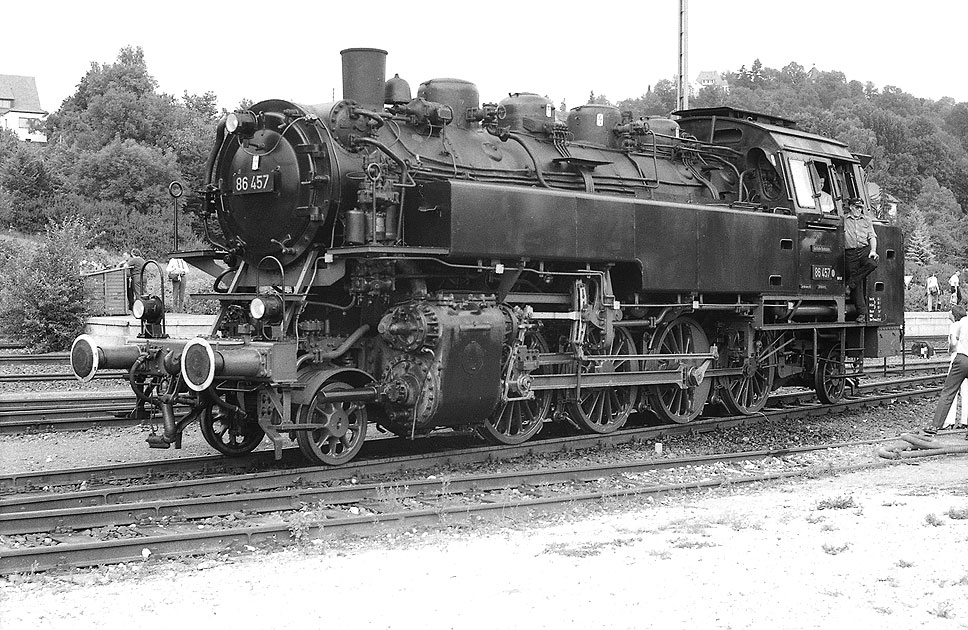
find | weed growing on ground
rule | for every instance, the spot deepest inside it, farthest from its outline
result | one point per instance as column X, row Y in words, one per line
column 942, row 610
column 685, row 543
column 933, row 520
column 838, row 503
column 833, row 550
column 904, row 564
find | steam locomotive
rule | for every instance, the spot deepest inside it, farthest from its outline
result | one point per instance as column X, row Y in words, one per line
column 430, row 262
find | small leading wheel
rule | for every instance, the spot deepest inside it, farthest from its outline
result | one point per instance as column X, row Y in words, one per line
column 748, row 392
column 227, row 432
column 518, row 421
column 670, row 402
column 829, row 376
column 605, row 409
column 343, row 431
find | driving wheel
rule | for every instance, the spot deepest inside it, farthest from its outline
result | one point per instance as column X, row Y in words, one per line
column 517, row 421
column 747, row 393
column 605, row 409
column 672, row 403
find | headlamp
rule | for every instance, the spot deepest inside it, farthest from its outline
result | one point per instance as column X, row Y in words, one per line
column 148, row 308
column 266, row 308
column 242, row 123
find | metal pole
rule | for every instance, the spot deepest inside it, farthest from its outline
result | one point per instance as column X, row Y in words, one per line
column 175, row 190
column 682, row 86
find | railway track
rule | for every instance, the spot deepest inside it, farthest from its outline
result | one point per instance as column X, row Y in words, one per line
column 115, row 523
column 65, row 411
column 55, row 377
column 51, row 358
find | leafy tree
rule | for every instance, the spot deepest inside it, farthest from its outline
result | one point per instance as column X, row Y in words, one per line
column 956, row 122
column 8, row 143
column 945, row 225
column 29, row 185
column 125, row 171
column 45, row 305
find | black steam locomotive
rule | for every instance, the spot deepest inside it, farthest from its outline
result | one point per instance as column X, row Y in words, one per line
column 428, row 262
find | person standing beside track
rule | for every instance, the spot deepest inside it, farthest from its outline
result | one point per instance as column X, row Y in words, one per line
column 135, row 287
column 933, row 290
column 958, row 372
column 177, row 270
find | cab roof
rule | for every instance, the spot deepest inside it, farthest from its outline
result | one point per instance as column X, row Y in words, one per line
column 724, row 125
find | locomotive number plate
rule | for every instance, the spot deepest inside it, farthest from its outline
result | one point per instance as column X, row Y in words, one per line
column 824, row 272
column 254, row 183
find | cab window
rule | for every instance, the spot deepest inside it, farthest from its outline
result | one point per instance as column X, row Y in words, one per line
column 802, row 185
column 814, row 185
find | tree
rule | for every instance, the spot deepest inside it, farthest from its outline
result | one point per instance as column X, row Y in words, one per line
column 918, row 247
column 46, row 305
column 945, row 224
column 125, row 171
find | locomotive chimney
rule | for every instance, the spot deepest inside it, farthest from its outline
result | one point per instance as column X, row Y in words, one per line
column 364, row 73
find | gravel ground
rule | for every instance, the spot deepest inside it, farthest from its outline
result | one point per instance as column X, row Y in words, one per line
column 864, row 550
column 872, row 549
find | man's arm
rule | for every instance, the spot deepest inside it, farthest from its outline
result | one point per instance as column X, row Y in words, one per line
column 872, row 239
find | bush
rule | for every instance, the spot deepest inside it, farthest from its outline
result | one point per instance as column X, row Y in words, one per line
column 46, row 307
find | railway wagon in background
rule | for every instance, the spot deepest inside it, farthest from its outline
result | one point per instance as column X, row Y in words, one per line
column 434, row 262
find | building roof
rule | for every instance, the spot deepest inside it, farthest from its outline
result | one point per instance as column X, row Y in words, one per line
column 23, row 92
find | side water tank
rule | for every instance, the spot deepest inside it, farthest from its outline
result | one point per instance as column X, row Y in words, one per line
column 593, row 124
column 460, row 95
column 525, row 111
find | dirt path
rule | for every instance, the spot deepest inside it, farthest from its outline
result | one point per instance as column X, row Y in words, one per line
column 877, row 549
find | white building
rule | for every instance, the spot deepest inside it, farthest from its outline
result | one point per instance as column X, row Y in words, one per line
column 19, row 105
column 710, row 78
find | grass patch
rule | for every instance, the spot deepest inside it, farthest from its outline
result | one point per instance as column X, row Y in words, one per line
column 904, row 564
column 685, row 543
column 837, row 503
column 833, row 550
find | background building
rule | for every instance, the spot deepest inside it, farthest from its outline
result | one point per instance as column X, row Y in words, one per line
column 20, row 107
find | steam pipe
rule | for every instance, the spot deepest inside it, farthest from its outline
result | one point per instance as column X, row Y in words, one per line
column 337, row 352
column 537, row 169
column 216, row 147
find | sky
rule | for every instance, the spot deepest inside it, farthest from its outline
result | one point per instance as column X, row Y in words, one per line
column 563, row 50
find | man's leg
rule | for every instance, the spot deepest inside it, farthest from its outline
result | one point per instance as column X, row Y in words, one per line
column 956, row 374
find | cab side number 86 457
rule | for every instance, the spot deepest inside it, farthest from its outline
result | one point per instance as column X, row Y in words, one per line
column 255, row 183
